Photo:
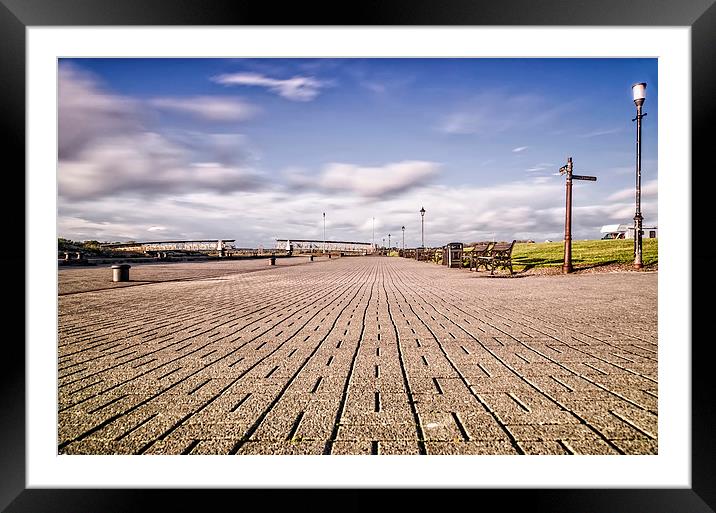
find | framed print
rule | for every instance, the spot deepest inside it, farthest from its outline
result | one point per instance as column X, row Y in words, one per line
column 87, row 77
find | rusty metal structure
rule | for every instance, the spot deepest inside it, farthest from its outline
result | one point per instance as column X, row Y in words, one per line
column 203, row 246
column 318, row 246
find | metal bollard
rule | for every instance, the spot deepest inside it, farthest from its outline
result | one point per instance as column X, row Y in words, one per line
column 329, row 255
column 311, row 258
column 120, row 272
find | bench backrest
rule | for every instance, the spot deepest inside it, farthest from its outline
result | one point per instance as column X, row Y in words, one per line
column 503, row 248
column 481, row 248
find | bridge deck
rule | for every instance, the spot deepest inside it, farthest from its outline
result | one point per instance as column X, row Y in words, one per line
column 365, row 355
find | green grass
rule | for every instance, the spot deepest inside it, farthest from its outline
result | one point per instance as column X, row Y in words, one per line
column 585, row 253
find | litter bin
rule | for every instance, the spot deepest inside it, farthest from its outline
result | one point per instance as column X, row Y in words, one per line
column 120, row 272
column 454, row 255
column 273, row 259
column 311, row 258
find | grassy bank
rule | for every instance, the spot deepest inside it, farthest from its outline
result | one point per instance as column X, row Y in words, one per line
column 585, row 253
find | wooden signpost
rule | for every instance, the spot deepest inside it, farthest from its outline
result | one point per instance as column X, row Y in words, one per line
column 567, row 169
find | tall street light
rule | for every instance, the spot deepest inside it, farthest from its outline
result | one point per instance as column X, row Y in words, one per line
column 403, row 228
column 422, row 227
column 639, row 92
column 374, row 234
column 388, row 241
column 324, row 232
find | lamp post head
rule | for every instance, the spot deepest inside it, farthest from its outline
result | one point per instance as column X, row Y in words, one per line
column 639, row 93
column 422, row 211
column 402, row 228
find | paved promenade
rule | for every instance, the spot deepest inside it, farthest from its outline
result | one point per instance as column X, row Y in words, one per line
column 355, row 355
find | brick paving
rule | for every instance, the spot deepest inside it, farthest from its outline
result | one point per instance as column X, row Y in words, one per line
column 355, row 355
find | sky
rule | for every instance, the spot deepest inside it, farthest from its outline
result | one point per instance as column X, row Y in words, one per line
column 258, row 149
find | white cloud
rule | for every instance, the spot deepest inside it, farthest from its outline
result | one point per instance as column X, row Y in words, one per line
column 146, row 164
column 107, row 149
column 296, row 88
column 86, row 112
column 377, row 181
column 530, row 208
column 519, row 149
column 211, row 108
column 649, row 189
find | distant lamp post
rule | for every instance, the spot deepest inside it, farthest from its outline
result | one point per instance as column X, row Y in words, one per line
column 639, row 92
column 422, row 227
column 324, row 232
column 403, row 228
column 374, row 234
column 388, row 242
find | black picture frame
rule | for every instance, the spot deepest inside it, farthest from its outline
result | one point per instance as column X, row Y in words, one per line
column 17, row 15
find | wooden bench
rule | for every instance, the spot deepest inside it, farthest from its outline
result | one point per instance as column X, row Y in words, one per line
column 479, row 251
column 498, row 257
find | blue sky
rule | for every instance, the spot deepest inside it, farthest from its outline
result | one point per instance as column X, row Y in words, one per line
column 258, row 149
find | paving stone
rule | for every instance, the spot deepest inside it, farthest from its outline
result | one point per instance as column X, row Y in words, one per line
column 204, row 357
column 455, row 448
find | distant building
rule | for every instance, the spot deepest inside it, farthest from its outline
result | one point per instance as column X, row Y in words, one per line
column 648, row 232
column 624, row 231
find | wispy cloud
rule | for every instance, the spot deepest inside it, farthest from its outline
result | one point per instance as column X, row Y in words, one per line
column 519, row 149
column 211, row 108
column 540, row 167
column 461, row 123
column 496, row 112
column 297, row 88
column 597, row 133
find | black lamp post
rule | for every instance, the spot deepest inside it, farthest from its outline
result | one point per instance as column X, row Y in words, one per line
column 422, row 227
column 388, row 242
column 403, row 228
column 639, row 92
